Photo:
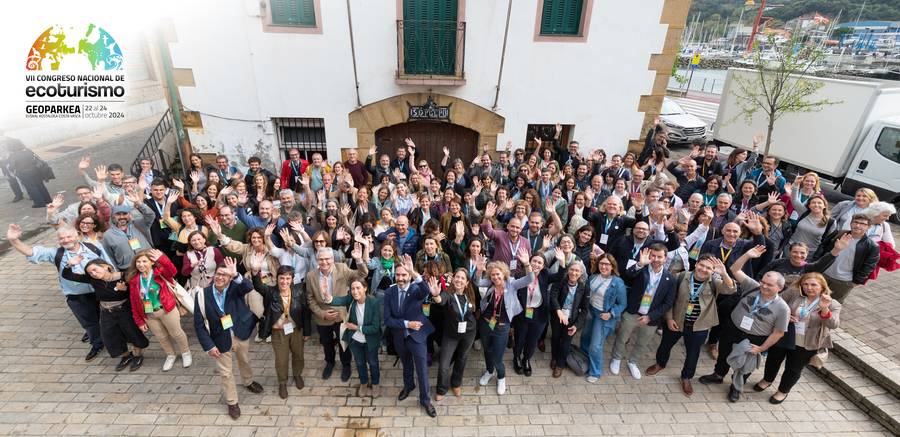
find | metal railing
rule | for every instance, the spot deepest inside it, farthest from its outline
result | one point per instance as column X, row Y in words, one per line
column 431, row 48
column 151, row 148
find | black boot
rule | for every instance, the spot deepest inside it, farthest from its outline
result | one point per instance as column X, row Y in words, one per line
column 517, row 364
column 527, row 367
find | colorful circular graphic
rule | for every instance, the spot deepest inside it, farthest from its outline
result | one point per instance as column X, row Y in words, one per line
column 96, row 50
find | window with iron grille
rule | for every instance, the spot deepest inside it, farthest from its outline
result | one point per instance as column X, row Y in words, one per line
column 293, row 13
column 430, row 35
column 561, row 17
column 545, row 133
column 304, row 134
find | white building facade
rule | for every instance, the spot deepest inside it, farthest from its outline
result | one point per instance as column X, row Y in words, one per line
column 256, row 77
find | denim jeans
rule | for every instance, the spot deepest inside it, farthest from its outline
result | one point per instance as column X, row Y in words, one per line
column 693, row 342
column 600, row 329
column 493, row 341
column 366, row 361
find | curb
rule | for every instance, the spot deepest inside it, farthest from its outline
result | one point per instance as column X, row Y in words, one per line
column 866, row 369
column 854, row 395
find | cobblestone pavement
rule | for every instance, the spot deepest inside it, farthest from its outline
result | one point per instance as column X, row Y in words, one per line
column 871, row 313
column 46, row 388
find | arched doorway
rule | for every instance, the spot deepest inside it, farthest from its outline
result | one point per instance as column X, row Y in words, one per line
column 430, row 138
column 470, row 125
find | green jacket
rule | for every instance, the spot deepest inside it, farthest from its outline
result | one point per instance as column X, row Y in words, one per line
column 371, row 324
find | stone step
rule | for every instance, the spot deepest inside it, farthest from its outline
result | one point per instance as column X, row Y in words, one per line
column 858, row 373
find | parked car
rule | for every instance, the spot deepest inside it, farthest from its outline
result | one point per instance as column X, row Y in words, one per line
column 682, row 127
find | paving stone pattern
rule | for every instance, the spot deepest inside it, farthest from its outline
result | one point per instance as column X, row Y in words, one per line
column 46, row 388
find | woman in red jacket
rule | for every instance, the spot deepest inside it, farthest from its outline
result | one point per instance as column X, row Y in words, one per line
column 153, row 304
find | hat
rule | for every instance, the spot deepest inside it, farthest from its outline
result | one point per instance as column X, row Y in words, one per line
column 121, row 209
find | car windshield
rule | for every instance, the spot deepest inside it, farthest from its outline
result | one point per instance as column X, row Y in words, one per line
column 670, row 108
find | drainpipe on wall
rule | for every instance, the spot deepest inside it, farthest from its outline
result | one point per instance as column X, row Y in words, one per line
column 183, row 142
column 502, row 56
column 353, row 54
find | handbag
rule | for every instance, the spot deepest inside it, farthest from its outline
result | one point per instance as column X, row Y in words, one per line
column 184, row 298
column 577, row 362
column 43, row 169
column 818, row 360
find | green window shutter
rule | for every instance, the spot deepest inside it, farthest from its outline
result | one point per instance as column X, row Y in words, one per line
column 293, row 13
column 561, row 17
column 429, row 36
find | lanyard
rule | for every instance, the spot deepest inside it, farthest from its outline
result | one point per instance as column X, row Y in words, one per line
column 695, row 289
column 471, row 269
column 463, row 308
column 637, row 249
column 514, row 249
column 801, row 196
column 651, row 285
column 607, row 222
column 295, row 168
column 145, row 285
column 287, row 307
column 709, row 200
column 804, row 310
column 725, row 255
column 497, row 297
column 220, row 302
column 755, row 308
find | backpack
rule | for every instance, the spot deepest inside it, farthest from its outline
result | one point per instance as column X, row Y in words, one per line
column 57, row 259
column 577, row 361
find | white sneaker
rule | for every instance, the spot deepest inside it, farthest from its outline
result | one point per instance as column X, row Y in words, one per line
column 257, row 339
column 477, row 345
column 269, row 339
column 168, row 363
column 592, row 379
column 635, row 372
column 614, row 366
column 486, row 378
column 501, row 386
column 186, row 359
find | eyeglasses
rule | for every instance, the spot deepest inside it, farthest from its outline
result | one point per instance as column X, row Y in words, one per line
column 322, row 260
column 607, row 263
column 319, row 241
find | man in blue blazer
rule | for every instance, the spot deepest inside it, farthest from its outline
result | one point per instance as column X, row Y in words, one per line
column 404, row 316
column 224, row 324
column 651, row 293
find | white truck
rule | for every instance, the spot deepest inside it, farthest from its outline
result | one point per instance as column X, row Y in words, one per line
column 855, row 143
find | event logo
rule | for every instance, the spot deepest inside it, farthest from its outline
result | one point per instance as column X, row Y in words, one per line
column 74, row 74
column 97, row 47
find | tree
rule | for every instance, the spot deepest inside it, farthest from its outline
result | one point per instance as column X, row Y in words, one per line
column 780, row 85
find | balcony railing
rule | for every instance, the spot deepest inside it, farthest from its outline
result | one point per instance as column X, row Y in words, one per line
column 431, row 49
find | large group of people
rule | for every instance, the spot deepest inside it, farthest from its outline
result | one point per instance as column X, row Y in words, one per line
column 513, row 251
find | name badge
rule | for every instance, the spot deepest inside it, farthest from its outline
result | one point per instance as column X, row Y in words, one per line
column 134, row 243
column 492, row 323
column 461, row 327
column 287, row 328
column 529, row 313
column 426, row 309
column 747, row 323
column 513, row 264
column 163, row 224
column 226, row 321
column 148, row 307
column 630, row 263
column 690, row 309
column 604, row 238
column 800, row 328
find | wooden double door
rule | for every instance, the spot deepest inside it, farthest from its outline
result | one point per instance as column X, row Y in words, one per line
column 430, row 138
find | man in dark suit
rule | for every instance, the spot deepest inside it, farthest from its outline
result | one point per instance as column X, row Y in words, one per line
column 410, row 329
column 224, row 324
column 627, row 248
column 159, row 232
column 651, row 294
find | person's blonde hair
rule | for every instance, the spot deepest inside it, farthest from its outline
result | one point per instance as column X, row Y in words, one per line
column 504, row 269
column 818, row 277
